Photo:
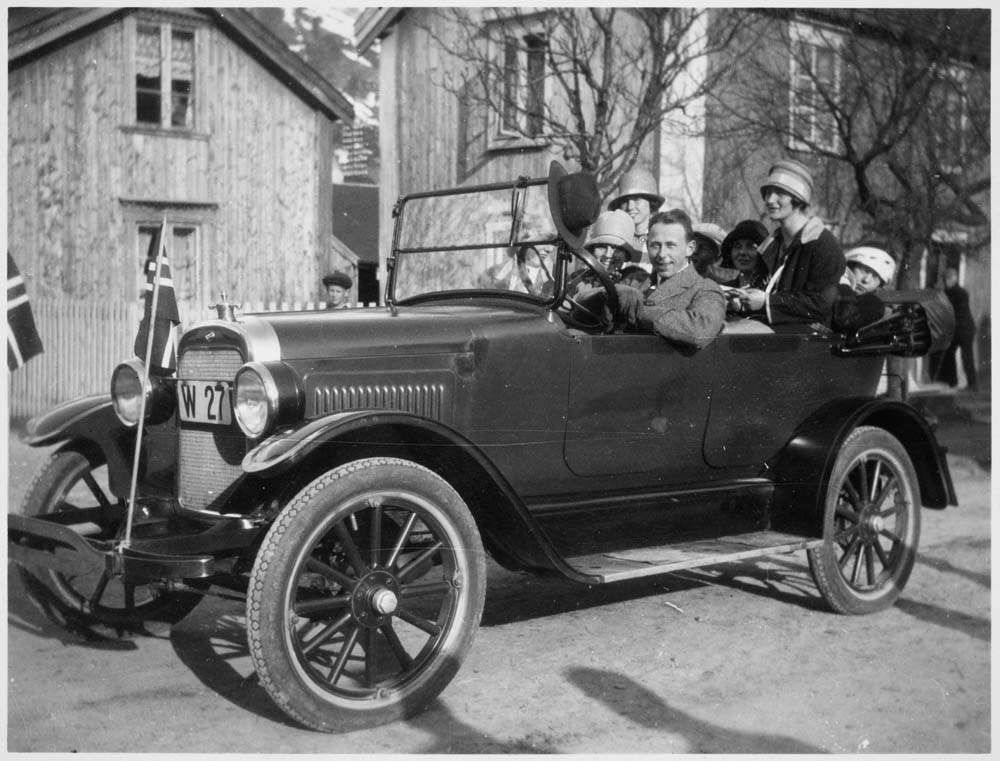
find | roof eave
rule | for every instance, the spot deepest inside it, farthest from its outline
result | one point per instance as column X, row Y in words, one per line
column 293, row 71
column 373, row 24
column 300, row 75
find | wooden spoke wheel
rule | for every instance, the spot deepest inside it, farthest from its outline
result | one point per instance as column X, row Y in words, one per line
column 365, row 595
column 871, row 524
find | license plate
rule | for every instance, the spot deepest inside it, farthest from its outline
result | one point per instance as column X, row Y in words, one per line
column 205, row 402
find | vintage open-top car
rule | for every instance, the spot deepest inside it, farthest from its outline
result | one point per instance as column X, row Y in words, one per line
column 347, row 471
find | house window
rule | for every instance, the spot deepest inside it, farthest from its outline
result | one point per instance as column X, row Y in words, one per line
column 815, row 81
column 521, row 97
column 164, row 75
column 950, row 106
column 182, row 251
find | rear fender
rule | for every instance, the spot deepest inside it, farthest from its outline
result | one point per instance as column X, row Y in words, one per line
column 509, row 531
column 802, row 470
column 90, row 425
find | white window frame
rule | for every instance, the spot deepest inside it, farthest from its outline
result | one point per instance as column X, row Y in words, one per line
column 817, row 38
column 166, row 28
column 955, row 76
column 502, row 136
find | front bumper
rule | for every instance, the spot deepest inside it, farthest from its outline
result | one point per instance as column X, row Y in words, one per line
column 52, row 543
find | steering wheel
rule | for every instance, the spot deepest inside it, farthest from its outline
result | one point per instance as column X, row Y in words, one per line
column 595, row 312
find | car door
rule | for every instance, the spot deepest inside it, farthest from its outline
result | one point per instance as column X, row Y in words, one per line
column 637, row 404
column 767, row 385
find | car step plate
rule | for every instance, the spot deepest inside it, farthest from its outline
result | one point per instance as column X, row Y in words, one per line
column 620, row 565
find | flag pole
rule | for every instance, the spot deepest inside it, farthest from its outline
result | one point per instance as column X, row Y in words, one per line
column 127, row 540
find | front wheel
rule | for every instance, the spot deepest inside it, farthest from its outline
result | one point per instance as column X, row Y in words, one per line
column 871, row 525
column 72, row 481
column 365, row 595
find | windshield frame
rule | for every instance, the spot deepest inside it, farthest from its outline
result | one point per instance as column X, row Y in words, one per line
column 516, row 187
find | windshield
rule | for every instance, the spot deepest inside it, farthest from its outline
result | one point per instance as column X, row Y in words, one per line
column 460, row 241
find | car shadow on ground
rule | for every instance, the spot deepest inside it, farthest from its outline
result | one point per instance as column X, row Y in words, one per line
column 513, row 597
column 974, row 626
column 26, row 615
column 946, row 566
column 645, row 708
column 212, row 643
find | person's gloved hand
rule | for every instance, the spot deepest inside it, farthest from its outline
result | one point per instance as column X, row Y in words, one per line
column 629, row 307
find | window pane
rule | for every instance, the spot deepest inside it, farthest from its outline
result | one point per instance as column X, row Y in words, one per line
column 181, row 77
column 184, row 262
column 145, row 235
column 148, row 73
column 147, row 51
column 182, row 54
column 510, row 76
column 826, row 67
column 536, row 84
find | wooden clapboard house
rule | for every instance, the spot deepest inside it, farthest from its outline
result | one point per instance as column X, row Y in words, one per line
column 121, row 117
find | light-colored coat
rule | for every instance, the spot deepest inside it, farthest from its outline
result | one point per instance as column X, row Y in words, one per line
column 685, row 308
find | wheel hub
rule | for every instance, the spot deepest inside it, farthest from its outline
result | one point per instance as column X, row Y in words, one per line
column 375, row 599
column 872, row 524
column 384, row 601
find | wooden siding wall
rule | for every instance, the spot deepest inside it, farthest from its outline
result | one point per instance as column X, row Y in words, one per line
column 265, row 177
column 429, row 131
column 64, row 169
column 255, row 157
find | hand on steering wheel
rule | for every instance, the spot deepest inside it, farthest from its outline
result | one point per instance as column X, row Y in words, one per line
column 602, row 318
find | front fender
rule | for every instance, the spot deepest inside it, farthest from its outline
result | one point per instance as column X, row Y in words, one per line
column 89, row 417
column 510, row 531
column 282, row 451
column 88, row 422
column 801, row 471
column 90, row 425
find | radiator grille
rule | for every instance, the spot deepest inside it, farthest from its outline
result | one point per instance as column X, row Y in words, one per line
column 209, row 456
column 426, row 400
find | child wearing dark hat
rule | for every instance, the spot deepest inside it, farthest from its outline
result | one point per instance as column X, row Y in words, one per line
column 338, row 290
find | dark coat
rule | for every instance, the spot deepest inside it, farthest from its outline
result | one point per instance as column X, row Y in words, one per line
column 965, row 325
column 807, row 286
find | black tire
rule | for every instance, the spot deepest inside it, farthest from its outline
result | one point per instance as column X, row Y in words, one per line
column 72, row 481
column 871, row 525
column 365, row 595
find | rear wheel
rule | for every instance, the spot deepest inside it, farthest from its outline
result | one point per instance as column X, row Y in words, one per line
column 365, row 595
column 71, row 481
column 871, row 524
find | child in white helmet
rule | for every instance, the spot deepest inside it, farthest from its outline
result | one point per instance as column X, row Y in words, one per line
column 869, row 268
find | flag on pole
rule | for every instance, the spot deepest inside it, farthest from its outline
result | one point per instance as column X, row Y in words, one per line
column 23, row 341
column 159, row 296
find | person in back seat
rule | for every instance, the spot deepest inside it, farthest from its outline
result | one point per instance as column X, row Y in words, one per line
column 739, row 253
column 804, row 258
column 869, row 269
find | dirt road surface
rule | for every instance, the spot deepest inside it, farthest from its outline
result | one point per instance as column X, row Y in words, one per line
column 733, row 659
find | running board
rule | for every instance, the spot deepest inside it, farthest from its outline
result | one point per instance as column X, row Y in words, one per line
column 606, row 567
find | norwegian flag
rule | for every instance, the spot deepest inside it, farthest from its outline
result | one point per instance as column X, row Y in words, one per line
column 23, row 341
column 160, row 297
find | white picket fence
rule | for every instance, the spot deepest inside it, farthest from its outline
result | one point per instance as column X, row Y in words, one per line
column 83, row 342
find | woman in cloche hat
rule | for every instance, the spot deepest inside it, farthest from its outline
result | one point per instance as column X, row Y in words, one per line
column 805, row 260
column 610, row 241
column 638, row 196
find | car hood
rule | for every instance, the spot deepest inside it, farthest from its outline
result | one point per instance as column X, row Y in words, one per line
column 428, row 329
